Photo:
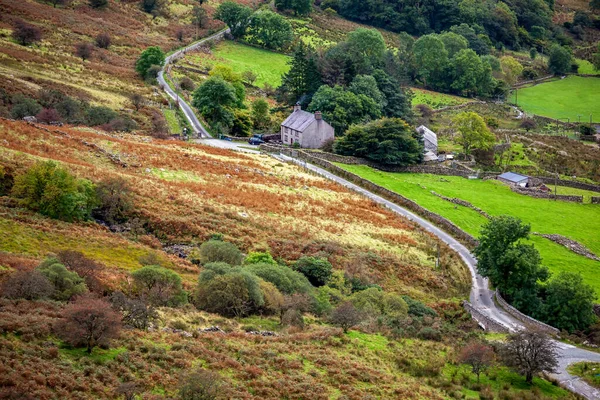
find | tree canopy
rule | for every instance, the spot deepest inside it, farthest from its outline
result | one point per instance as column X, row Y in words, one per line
column 472, row 132
column 149, row 57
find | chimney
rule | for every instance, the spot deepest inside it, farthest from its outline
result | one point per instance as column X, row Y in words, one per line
column 297, row 107
column 318, row 115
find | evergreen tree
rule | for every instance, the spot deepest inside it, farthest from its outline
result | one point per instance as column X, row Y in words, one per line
column 303, row 79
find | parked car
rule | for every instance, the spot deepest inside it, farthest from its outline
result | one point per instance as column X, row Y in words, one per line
column 255, row 141
column 223, row 137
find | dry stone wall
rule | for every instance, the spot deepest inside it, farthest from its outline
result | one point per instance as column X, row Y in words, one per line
column 527, row 320
column 572, row 184
column 483, row 320
column 596, row 200
column 463, row 203
column 543, row 195
column 570, row 244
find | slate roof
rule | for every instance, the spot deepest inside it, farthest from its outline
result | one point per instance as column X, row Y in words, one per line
column 428, row 134
column 512, row 177
column 299, row 120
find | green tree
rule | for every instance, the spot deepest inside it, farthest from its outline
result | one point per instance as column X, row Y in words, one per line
column 24, row 107
column 431, row 57
column 512, row 266
column 595, row 4
column 453, row 43
column 303, row 78
column 235, row 16
column 511, row 69
column 596, row 58
column 226, row 73
column 149, row 57
column 386, row 141
column 215, row 98
column 317, row 270
column 51, row 190
column 161, row 286
column 368, row 43
column 367, row 85
column 569, row 302
column 234, row 294
column 199, row 16
column 299, row 7
column 472, row 132
column 559, row 60
column 66, row 283
column 99, row 115
column 260, row 113
column 270, row 30
column 375, row 302
column 471, row 76
column 341, row 108
column 242, row 123
column 284, row 278
column 397, row 102
column 256, row 257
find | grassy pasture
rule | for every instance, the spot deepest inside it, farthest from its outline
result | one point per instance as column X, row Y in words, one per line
column 436, row 100
column 586, row 67
column 579, row 222
column 268, row 65
column 570, row 98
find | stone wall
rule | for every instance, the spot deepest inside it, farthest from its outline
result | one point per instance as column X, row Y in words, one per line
column 463, row 203
column 570, row 244
column 573, row 184
column 527, row 320
column 337, row 158
column 483, row 320
column 543, row 195
column 394, row 197
column 595, row 200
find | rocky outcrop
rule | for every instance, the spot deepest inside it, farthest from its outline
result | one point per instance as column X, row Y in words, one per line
column 462, row 203
column 570, row 244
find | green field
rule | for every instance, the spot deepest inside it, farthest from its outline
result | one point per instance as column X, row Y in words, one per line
column 573, row 97
column 267, row 65
column 586, row 67
column 172, row 121
column 580, row 222
column 436, row 100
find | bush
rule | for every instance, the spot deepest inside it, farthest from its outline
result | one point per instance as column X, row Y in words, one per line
column 374, row 302
column 48, row 116
column 24, row 107
column 259, row 257
column 418, row 309
column 136, row 313
column 200, row 385
column 346, row 316
column 86, row 268
column 218, row 251
column 6, row 180
column 317, row 270
column 115, row 200
column 66, row 283
column 187, row 84
column 273, row 299
column 27, row 285
column 285, row 279
column 234, row 294
column 152, row 56
column 52, row 191
column 26, row 34
column 98, row 3
column 99, row 115
column 428, row 333
column 528, row 124
column 161, row 286
column 103, row 40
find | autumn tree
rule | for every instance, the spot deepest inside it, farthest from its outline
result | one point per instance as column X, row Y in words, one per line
column 529, row 353
column 86, row 268
column 472, row 132
column 28, row 285
column 25, row 33
column 129, row 390
column 478, row 355
column 89, row 322
column 84, row 50
column 48, row 116
column 135, row 313
column 137, row 100
column 346, row 316
column 115, row 200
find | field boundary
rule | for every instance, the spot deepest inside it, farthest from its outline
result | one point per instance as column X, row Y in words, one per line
column 526, row 319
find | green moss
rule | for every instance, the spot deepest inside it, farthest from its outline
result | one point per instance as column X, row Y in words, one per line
column 98, row 355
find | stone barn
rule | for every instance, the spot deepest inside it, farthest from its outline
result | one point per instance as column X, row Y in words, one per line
column 309, row 130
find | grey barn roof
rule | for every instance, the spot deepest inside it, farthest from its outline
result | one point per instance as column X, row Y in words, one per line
column 299, row 120
column 428, row 134
column 512, row 177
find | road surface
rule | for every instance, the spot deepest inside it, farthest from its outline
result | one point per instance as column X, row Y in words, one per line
column 481, row 296
column 187, row 110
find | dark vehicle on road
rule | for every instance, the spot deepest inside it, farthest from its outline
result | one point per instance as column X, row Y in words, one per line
column 255, row 141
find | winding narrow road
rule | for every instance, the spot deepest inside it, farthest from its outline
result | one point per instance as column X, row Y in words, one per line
column 481, row 296
column 187, row 110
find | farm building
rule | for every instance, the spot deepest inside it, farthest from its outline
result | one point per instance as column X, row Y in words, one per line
column 514, row 179
column 309, row 130
column 429, row 138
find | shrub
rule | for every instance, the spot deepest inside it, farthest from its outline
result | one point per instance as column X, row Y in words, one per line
column 150, row 57
column 103, row 40
column 66, row 283
column 187, row 84
column 89, row 322
column 25, row 33
column 346, row 316
column 528, row 124
column 429, row 333
column 161, row 286
column 48, row 116
column 284, row 278
column 86, row 268
column 6, row 180
column 374, row 301
column 115, row 200
column 479, row 356
column 317, row 270
column 136, row 313
column 200, row 385
column 24, row 107
column 27, row 285
column 54, row 192
column 418, row 309
column 98, row 3
column 218, row 251
column 84, row 50
column 273, row 299
column 259, row 258
column 99, row 115
column 233, row 294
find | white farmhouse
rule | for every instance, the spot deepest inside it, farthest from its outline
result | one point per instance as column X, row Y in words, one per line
column 429, row 138
column 307, row 129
